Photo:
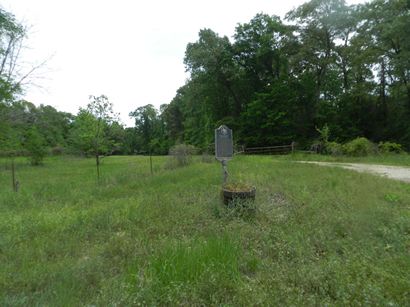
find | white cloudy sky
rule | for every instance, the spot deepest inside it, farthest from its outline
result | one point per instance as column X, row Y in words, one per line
column 132, row 51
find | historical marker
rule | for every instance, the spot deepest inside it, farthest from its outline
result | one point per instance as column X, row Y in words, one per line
column 223, row 143
column 223, row 148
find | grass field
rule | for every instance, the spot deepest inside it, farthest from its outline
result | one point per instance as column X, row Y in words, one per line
column 318, row 236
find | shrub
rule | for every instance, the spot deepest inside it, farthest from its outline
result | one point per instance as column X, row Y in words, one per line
column 359, row 147
column 320, row 145
column 324, row 134
column 181, row 155
column 317, row 147
column 57, row 150
column 390, row 147
column 35, row 146
column 334, row 149
column 207, row 158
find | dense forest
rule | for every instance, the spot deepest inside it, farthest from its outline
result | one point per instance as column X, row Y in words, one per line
column 345, row 68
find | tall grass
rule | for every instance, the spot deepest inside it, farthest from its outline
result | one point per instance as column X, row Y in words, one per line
column 201, row 270
column 318, row 236
column 200, row 259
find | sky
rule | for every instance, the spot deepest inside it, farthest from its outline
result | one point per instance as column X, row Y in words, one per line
column 131, row 51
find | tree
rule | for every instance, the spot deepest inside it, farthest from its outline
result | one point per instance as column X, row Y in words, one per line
column 149, row 130
column 53, row 125
column 17, row 118
column 10, row 141
column 263, row 49
column 211, row 61
column 11, row 36
column 35, row 146
column 89, row 132
column 14, row 74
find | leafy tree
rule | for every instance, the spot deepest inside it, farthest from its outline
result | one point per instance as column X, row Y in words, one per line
column 53, row 125
column 116, row 135
column 10, row 141
column 262, row 48
column 212, row 56
column 11, row 36
column 83, row 132
column 89, row 132
column 35, row 146
column 149, row 130
column 344, row 66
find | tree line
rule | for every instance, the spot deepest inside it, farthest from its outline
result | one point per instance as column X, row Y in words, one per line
column 327, row 64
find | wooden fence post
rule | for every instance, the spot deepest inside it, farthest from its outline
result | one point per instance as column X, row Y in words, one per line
column 150, row 162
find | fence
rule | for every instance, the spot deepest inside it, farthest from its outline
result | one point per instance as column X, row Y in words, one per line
column 270, row 150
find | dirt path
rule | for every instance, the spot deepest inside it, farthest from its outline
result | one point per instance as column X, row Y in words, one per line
column 393, row 172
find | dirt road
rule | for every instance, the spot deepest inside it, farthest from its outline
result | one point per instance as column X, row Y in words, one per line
column 393, row 172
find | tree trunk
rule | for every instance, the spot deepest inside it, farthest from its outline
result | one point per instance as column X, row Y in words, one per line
column 408, row 96
column 345, row 77
column 97, row 161
column 13, row 175
column 383, row 91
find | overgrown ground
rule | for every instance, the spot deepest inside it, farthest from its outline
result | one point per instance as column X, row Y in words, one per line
column 319, row 236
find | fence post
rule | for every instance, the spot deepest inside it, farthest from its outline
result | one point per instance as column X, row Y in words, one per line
column 150, row 162
column 13, row 175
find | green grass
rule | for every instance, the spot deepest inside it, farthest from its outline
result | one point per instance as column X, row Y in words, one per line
column 318, row 236
column 386, row 159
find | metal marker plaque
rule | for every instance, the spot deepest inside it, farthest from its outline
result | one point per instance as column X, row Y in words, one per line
column 223, row 143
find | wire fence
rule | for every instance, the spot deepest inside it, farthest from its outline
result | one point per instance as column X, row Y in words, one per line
column 270, row 150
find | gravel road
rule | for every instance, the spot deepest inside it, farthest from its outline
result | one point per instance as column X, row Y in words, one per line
column 393, row 172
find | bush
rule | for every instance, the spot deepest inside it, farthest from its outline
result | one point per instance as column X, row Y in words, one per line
column 359, row 147
column 57, row 150
column 317, row 147
column 35, row 146
column 207, row 158
column 181, row 155
column 390, row 147
column 320, row 145
column 334, row 149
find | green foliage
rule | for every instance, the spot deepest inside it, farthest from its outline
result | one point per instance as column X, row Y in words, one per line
column 359, row 147
column 83, row 131
column 53, row 125
column 21, row 119
column 392, row 198
column 57, row 150
column 390, row 147
column 35, row 146
column 11, row 36
column 334, row 148
column 324, row 134
column 340, row 67
column 149, row 130
column 90, row 132
column 335, row 66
